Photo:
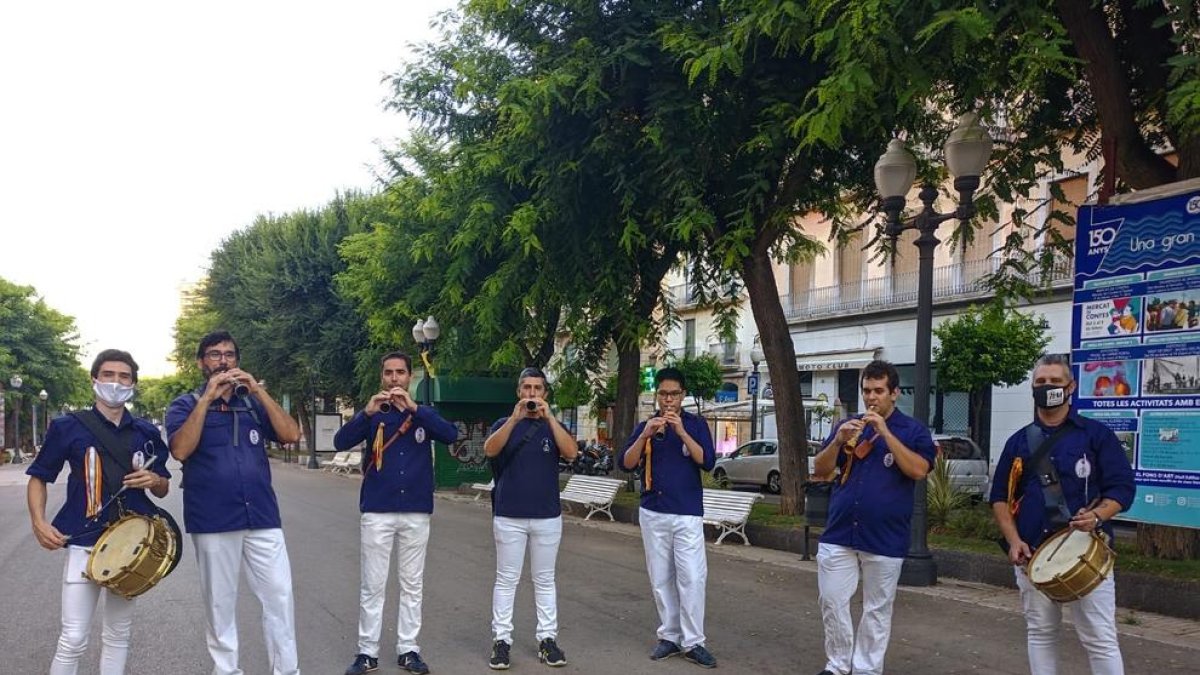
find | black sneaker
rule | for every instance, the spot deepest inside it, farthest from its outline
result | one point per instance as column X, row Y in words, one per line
column 665, row 649
column 411, row 661
column 700, row 656
column 499, row 660
column 550, row 654
column 363, row 664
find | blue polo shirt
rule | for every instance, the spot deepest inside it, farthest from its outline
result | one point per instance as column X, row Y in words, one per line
column 1087, row 446
column 528, row 482
column 404, row 484
column 675, row 485
column 872, row 510
column 227, row 480
column 67, row 441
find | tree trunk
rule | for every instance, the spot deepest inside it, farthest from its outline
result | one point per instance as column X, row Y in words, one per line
column 306, row 423
column 1168, row 543
column 780, row 353
column 629, row 361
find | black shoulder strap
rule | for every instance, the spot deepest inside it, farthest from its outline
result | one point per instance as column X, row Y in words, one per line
column 116, row 460
column 1057, row 512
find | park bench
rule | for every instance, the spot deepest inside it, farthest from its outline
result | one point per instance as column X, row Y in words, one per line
column 594, row 492
column 337, row 463
column 482, row 489
column 728, row 511
column 353, row 463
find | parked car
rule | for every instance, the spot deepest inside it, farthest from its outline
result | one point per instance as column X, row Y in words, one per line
column 756, row 463
column 968, row 466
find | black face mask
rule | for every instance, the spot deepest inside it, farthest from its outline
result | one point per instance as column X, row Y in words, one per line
column 1049, row 396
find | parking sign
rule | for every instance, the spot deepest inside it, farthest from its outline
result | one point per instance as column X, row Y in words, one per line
column 752, row 383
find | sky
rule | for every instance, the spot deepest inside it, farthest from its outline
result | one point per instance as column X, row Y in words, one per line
column 135, row 136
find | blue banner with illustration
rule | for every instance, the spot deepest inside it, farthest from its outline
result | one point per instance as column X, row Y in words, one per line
column 1135, row 343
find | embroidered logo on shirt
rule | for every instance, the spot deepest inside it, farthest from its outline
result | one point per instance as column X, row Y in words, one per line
column 254, row 437
column 419, row 434
column 139, row 460
column 1083, row 468
column 546, row 445
column 889, row 460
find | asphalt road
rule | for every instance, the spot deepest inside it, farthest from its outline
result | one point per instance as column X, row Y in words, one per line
column 762, row 611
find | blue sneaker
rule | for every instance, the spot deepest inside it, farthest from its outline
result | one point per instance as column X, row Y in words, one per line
column 363, row 664
column 550, row 654
column 700, row 656
column 411, row 661
column 499, row 660
column 665, row 649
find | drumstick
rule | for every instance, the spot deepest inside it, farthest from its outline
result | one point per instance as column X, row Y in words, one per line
column 88, row 525
column 1064, row 539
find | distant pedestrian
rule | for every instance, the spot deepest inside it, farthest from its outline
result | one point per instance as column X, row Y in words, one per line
column 881, row 455
column 1084, row 469
column 396, row 500
column 526, row 513
column 672, row 448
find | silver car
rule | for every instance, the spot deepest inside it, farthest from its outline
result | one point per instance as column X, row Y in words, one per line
column 756, row 463
column 968, row 467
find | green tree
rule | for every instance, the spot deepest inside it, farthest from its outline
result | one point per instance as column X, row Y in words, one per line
column 41, row 345
column 703, row 375
column 993, row 345
column 154, row 394
column 197, row 319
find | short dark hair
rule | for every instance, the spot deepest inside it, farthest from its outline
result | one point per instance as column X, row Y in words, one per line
column 114, row 355
column 397, row 355
column 673, row 374
column 878, row 369
column 532, row 371
column 215, row 338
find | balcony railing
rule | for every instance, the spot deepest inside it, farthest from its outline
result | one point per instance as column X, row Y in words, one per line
column 950, row 282
column 727, row 353
column 683, row 295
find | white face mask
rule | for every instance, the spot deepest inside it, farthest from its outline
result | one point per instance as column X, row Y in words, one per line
column 112, row 394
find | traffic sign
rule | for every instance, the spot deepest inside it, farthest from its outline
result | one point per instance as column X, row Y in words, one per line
column 752, row 383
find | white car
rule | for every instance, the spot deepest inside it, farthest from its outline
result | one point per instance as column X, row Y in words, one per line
column 756, row 463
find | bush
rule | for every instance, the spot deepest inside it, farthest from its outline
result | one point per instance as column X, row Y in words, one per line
column 975, row 522
column 942, row 498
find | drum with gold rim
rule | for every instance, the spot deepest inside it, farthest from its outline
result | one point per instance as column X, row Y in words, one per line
column 1070, row 564
column 133, row 554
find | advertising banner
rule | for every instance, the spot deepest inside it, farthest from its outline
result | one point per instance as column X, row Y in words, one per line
column 1135, row 344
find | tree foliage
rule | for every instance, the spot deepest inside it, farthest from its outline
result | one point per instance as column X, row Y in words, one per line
column 703, row 376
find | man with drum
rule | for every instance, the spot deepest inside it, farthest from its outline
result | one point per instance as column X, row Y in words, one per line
column 880, row 455
column 396, row 500
column 672, row 448
column 98, row 474
column 1061, row 471
column 220, row 433
column 526, row 513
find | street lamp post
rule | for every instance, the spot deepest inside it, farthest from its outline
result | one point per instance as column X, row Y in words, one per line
column 426, row 334
column 45, row 396
column 15, row 382
column 34, row 422
column 967, row 152
column 756, row 357
column 312, row 390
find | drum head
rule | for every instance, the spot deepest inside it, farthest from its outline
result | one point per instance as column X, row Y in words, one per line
column 119, row 545
column 1043, row 568
column 174, row 527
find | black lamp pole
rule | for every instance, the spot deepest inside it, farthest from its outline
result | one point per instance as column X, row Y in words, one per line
column 967, row 152
column 425, row 333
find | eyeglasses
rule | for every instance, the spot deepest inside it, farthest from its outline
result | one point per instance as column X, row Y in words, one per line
column 215, row 355
column 677, row 393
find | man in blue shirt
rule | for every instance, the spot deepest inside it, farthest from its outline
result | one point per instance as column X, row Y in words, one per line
column 84, row 514
column 396, row 501
column 881, row 456
column 524, row 449
column 220, row 433
column 672, row 448
column 1095, row 482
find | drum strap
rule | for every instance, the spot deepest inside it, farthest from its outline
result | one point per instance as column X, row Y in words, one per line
column 117, row 459
column 1057, row 515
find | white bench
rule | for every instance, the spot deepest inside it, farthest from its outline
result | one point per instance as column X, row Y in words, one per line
column 482, row 489
column 728, row 511
column 594, row 492
column 337, row 463
column 353, row 463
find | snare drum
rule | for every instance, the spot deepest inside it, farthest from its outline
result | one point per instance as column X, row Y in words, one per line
column 1070, row 564
column 134, row 554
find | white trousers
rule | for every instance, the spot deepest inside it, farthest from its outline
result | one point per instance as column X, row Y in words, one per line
column 542, row 535
column 380, row 533
column 837, row 580
column 79, row 599
column 220, row 558
column 678, row 567
column 1095, row 617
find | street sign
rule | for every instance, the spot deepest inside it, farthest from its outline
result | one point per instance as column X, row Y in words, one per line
column 752, row 383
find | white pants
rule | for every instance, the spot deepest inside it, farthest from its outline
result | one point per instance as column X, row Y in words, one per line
column 79, row 599
column 380, row 533
column 678, row 567
column 543, row 536
column 220, row 558
column 837, row 580
column 1095, row 617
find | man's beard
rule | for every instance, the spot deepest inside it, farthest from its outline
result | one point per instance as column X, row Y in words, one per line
column 209, row 372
